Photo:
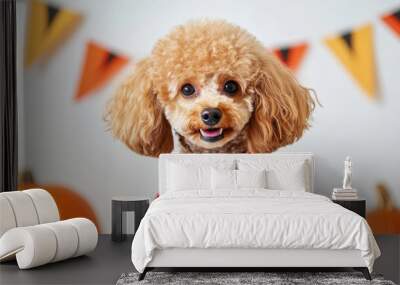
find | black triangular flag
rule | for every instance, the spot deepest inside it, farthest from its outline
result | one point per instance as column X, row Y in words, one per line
column 348, row 39
column 110, row 57
column 397, row 15
column 52, row 12
column 393, row 21
column 285, row 54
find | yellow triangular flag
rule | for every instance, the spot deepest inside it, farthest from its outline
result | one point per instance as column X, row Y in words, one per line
column 355, row 51
column 48, row 26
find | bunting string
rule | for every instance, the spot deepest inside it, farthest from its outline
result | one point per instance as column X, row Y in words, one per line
column 49, row 25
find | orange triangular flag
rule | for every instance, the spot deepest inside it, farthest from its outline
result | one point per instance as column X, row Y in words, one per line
column 100, row 65
column 354, row 50
column 292, row 55
column 393, row 21
column 48, row 26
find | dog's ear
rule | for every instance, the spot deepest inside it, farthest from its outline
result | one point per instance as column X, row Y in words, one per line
column 282, row 107
column 135, row 116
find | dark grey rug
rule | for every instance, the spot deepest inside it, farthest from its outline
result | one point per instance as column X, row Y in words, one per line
column 229, row 278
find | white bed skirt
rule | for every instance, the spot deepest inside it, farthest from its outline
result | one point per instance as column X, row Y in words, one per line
column 235, row 257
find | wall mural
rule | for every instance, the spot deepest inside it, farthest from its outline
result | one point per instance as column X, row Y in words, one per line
column 393, row 21
column 385, row 219
column 250, row 102
column 209, row 86
column 354, row 49
column 100, row 65
column 50, row 25
column 47, row 28
column 292, row 56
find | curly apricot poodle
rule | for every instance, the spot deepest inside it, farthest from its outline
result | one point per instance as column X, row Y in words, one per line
column 209, row 86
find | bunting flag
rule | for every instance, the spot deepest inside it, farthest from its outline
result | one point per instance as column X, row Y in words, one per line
column 393, row 21
column 354, row 50
column 292, row 56
column 100, row 65
column 48, row 26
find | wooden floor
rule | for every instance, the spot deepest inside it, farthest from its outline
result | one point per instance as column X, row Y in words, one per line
column 111, row 259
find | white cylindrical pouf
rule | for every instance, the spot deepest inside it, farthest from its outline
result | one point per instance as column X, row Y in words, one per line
column 45, row 205
column 23, row 208
column 40, row 244
column 7, row 218
column 87, row 234
column 33, row 246
column 67, row 240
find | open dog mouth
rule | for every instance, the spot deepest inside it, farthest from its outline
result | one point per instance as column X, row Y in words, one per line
column 212, row 134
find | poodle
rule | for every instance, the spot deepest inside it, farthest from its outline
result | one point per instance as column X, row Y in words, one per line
column 209, row 87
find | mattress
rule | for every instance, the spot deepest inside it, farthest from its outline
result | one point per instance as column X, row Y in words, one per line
column 250, row 219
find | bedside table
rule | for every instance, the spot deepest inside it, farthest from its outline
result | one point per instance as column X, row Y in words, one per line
column 122, row 204
column 358, row 206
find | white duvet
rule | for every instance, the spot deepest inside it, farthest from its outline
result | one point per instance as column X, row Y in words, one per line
column 252, row 218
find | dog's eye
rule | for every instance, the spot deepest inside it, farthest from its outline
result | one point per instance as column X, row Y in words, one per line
column 231, row 87
column 188, row 89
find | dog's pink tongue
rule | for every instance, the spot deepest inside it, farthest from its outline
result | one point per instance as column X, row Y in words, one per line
column 211, row 133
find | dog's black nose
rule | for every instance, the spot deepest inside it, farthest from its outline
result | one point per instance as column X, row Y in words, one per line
column 211, row 116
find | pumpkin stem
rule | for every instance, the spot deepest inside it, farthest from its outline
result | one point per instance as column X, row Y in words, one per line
column 26, row 177
column 385, row 201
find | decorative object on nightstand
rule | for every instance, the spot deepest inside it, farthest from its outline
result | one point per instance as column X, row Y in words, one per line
column 358, row 206
column 346, row 192
column 347, row 179
column 123, row 204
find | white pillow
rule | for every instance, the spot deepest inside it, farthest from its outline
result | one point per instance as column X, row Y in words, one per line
column 183, row 177
column 251, row 178
column 290, row 178
column 188, row 174
column 237, row 179
column 223, row 179
column 281, row 174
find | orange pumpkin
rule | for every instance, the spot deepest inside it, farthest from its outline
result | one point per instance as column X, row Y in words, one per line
column 70, row 204
column 386, row 218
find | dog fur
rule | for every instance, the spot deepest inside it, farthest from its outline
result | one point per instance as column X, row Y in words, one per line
column 151, row 116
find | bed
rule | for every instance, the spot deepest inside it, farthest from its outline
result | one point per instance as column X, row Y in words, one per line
column 247, row 211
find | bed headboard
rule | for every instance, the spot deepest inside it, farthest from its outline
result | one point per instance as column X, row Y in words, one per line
column 210, row 157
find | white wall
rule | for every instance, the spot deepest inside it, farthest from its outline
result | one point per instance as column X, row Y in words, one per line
column 67, row 143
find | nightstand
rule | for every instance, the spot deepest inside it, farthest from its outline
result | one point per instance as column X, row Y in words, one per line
column 123, row 204
column 358, row 206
